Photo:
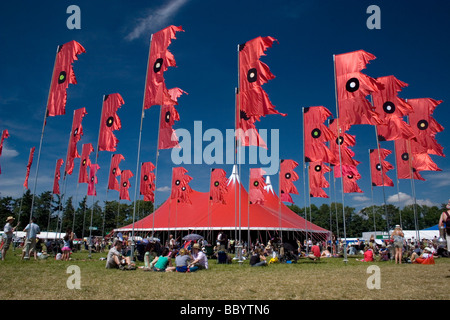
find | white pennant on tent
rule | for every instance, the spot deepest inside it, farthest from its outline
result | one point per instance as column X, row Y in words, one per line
column 234, row 176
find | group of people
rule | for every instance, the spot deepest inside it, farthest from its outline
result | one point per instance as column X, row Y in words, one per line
column 157, row 259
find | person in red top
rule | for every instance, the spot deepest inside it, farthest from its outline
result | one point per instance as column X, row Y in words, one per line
column 315, row 252
column 368, row 255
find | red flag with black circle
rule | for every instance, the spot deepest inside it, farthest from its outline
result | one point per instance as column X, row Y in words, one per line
column 257, row 184
column 59, row 163
column 169, row 114
column 63, row 75
column 425, row 126
column 378, row 170
column 317, row 180
column 391, row 108
column 180, row 185
column 125, row 177
column 147, row 183
column 93, row 180
column 353, row 87
column 110, row 122
column 287, row 178
column 75, row 136
column 5, row 134
column 160, row 58
column 253, row 73
column 218, row 186
column 317, row 134
column 83, row 176
column 344, row 140
column 114, row 172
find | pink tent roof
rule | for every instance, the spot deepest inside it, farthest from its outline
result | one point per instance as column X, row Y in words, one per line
column 204, row 215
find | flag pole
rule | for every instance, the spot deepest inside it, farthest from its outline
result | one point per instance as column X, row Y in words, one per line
column 209, row 206
column 279, row 202
column 42, row 137
column 239, row 248
column 340, row 160
column 156, row 172
column 304, row 179
column 139, row 153
column 95, row 168
column 248, row 213
column 371, row 192
column 106, row 198
column 398, row 186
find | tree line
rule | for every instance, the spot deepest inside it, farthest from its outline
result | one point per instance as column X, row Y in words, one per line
column 54, row 214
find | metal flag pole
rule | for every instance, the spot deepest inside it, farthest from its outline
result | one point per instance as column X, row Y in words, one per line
column 279, row 202
column 304, row 180
column 156, row 173
column 248, row 213
column 42, row 138
column 139, row 153
column 95, row 168
column 239, row 247
column 340, row 161
column 371, row 192
column 106, row 197
column 398, row 186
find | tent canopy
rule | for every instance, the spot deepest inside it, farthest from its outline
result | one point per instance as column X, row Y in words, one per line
column 202, row 214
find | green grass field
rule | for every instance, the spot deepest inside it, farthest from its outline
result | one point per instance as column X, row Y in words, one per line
column 329, row 278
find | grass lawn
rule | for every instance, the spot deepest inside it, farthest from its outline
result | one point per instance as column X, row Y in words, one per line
column 329, row 278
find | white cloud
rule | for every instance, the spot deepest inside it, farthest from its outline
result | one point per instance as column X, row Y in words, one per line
column 163, row 189
column 438, row 179
column 9, row 153
column 156, row 19
column 403, row 199
column 361, row 198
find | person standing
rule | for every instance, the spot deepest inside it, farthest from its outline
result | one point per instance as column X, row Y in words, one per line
column 8, row 229
column 397, row 235
column 32, row 230
column 445, row 218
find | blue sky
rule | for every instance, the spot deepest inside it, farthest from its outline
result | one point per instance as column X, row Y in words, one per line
column 412, row 44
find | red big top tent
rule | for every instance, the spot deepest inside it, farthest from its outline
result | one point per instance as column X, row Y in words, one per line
column 197, row 216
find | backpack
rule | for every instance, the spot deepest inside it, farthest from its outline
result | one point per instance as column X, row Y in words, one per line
column 447, row 222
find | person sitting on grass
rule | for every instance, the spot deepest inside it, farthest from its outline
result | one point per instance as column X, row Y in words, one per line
column 162, row 262
column 200, row 261
column 425, row 258
column 116, row 260
column 258, row 259
column 314, row 254
column 182, row 261
column 368, row 255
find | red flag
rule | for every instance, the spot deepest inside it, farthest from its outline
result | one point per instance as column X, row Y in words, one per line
column 317, row 134
column 110, row 122
column 59, row 163
column 114, row 172
column 253, row 73
column 317, row 180
column 391, row 108
column 407, row 160
column 425, row 126
column 345, row 140
column 125, row 184
column 287, row 178
column 93, row 168
column 257, row 184
column 169, row 114
column 160, row 58
column 351, row 175
column 5, row 134
column 75, row 136
column 218, row 186
column 147, row 185
column 378, row 169
column 85, row 163
column 62, row 75
column 180, row 185
column 246, row 132
column 30, row 161
column 353, row 87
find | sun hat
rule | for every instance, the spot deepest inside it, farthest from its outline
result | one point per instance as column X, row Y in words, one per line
column 196, row 246
column 10, row 218
column 427, row 249
column 448, row 204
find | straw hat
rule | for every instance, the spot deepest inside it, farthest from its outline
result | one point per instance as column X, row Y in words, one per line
column 10, row 218
column 196, row 246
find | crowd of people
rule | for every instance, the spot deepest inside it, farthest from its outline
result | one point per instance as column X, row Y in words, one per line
column 193, row 255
